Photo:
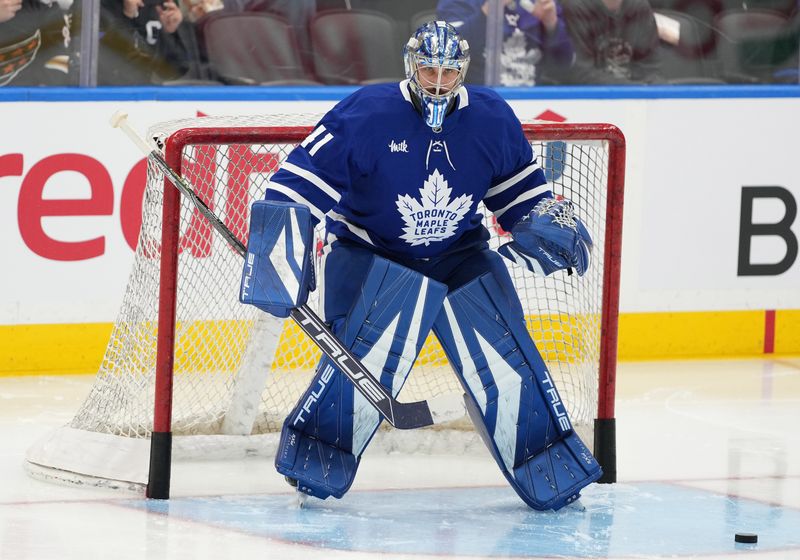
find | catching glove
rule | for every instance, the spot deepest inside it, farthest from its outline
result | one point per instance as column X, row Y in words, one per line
column 550, row 238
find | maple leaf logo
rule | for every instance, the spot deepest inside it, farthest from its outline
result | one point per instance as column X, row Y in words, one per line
column 434, row 216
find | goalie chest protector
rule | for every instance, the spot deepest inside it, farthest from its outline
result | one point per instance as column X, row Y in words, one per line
column 387, row 180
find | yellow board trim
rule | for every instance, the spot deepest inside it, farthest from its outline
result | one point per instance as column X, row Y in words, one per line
column 787, row 331
column 79, row 348
column 659, row 336
column 39, row 349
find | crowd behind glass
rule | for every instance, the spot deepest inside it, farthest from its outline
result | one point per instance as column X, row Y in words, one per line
column 307, row 42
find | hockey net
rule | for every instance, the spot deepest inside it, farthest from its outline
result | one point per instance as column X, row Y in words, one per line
column 235, row 372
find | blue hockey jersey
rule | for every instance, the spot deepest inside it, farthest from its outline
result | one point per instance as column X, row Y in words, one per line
column 381, row 177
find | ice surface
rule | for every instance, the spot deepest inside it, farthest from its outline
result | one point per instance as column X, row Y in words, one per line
column 705, row 450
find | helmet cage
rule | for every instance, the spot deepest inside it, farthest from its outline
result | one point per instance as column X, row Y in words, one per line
column 445, row 79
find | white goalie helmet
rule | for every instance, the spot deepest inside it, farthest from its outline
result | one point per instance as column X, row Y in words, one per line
column 436, row 61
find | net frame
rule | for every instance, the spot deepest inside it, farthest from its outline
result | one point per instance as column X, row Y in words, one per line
column 242, row 131
column 174, row 149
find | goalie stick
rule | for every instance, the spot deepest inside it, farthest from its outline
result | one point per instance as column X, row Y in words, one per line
column 404, row 416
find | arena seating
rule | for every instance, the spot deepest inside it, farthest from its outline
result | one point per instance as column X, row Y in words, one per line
column 355, row 47
column 249, row 48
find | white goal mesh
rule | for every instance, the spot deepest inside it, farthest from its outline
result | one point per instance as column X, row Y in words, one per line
column 238, row 371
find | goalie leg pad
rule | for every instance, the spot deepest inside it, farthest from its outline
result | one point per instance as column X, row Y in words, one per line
column 511, row 396
column 324, row 436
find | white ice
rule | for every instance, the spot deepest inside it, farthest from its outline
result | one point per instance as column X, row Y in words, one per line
column 705, row 449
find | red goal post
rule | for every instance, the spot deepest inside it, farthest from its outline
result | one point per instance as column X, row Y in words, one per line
column 194, row 363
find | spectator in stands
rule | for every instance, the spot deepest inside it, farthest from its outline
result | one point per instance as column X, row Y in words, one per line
column 536, row 46
column 8, row 9
column 200, row 8
column 35, row 43
column 147, row 41
column 616, row 41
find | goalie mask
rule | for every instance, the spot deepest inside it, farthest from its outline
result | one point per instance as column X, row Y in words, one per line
column 436, row 60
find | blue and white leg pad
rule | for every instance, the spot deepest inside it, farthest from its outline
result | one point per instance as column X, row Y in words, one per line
column 278, row 272
column 511, row 396
column 324, row 436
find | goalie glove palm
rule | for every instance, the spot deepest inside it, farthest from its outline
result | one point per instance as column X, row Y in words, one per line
column 550, row 238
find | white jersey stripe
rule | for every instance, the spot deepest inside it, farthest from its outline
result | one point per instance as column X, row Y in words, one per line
column 313, row 179
column 284, row 190
column 404, row 90
column 508, row 183
column 325, row 139
column 463, row 98
column 311, row 137
column 361, row 233
column 527, row 195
